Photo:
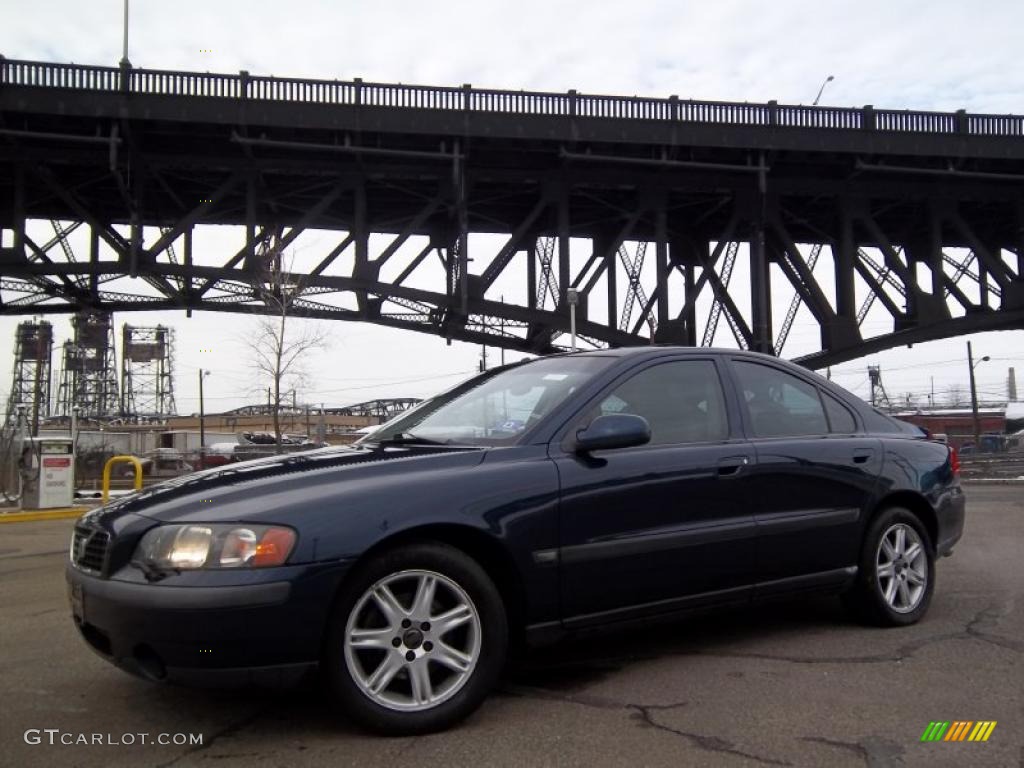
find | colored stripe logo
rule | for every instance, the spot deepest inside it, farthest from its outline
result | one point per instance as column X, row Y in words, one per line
column 959, row 730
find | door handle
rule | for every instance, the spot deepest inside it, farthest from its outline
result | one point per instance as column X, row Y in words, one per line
column 862, row 456
column 731, row 466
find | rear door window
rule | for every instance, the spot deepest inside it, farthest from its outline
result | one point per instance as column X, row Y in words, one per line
column 777, row 403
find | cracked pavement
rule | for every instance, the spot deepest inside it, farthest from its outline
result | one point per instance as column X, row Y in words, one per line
column 782, row 684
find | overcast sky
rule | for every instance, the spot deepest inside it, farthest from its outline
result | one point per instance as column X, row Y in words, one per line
column 921, row 55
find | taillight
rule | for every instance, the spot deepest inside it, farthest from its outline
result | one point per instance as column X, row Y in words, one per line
column 954, row 461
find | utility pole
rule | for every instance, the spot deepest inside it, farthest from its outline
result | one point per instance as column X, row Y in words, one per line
column 974, row 396
column 202, row 420
column 74, row 428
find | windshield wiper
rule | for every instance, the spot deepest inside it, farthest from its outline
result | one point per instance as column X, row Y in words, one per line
column 408, row 438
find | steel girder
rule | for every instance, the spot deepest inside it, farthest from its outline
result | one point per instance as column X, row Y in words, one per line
column 649, row 243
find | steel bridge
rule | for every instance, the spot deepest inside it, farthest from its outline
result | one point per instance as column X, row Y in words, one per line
column 647, row 207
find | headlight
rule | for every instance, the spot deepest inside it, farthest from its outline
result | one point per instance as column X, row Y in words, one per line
column 186, row 547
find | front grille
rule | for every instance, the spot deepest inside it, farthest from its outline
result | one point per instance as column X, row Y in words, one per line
column 89, row 548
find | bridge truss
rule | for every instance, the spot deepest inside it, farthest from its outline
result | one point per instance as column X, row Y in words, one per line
column 469, row 214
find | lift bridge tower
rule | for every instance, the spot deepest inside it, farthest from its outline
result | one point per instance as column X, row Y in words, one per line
column 89, row 374
column 147, row 371
column 33, row 350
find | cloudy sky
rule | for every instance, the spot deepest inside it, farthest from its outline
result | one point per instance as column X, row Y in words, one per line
column 922, row 55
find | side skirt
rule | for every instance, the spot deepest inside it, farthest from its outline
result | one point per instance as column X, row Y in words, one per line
column 668, row 610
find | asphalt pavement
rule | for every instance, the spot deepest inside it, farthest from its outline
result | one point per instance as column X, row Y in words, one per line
column 784, row 684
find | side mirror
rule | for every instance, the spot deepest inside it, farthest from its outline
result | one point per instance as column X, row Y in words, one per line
column 614, row 430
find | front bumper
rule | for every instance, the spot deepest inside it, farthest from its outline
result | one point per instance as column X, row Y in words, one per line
column 268, row 630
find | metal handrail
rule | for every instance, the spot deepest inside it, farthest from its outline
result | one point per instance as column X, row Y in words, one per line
column 479, row 100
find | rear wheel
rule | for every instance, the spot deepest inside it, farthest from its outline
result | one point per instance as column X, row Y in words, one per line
column 417, row 640
column 896, row 574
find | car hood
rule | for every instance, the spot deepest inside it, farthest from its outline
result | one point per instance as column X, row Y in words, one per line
column 251, row 489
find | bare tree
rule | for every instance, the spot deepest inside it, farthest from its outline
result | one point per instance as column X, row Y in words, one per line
column 955, row 395
column 278, row 346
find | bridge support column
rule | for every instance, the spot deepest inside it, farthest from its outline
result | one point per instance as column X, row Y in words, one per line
column 251, row 215
column 760, row 286
column 605, row 247
column 690, row 289
column 845, row 253
column 531, row 273
column 563, row 245
column 661, row 253
column 94, row 260
column 187, row 286
column 687, row 253
column 1018, row 241
column 613, row 287
column 18, row 224
column 933, row 255
column 362, row 241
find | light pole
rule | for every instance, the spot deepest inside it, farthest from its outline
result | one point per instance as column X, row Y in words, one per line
column 202, row 420
column 974, row 396
column 124, row 45
column 572, row 296
column 817, row 98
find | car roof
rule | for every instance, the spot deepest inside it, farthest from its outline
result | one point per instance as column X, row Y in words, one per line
column 656, row 350
column 661, row 350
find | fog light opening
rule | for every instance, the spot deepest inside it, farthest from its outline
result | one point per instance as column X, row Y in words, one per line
column 99, row 641
column 150, row 665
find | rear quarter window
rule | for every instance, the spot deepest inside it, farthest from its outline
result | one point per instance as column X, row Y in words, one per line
column 876, row 421
column 840, row 418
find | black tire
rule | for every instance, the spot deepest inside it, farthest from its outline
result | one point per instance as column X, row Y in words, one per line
column 468, row 575
column 866, row 600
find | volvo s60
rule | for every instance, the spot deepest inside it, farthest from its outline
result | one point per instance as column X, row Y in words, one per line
column 533, row 501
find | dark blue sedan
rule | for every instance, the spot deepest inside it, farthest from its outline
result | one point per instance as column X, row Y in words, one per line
column 569, row 492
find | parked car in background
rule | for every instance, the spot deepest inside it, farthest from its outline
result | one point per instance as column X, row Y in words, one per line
column 161, row 463
column 567, row 493
column 216, row 455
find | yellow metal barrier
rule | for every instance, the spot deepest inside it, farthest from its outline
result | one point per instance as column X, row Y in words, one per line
column 120, row 460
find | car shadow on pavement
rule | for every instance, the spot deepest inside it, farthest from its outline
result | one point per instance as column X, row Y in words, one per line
column 561, row 669
column 582, row 660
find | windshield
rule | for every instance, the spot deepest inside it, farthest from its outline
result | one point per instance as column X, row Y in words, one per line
column 495, row 409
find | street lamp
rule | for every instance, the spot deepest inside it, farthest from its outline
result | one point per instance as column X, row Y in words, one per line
column 974, row 395
column 573, row 298
column 821, row 90
column 202, row 420
column 124, row 46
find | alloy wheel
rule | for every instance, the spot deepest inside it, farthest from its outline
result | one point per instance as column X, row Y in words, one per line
column 412, row 641
column 901, row 564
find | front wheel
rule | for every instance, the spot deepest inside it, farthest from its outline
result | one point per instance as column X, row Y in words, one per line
column 896, row 574
column 418, row 638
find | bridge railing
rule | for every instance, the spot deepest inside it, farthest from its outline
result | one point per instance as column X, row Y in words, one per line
column 77, row 76
column 469, row 99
